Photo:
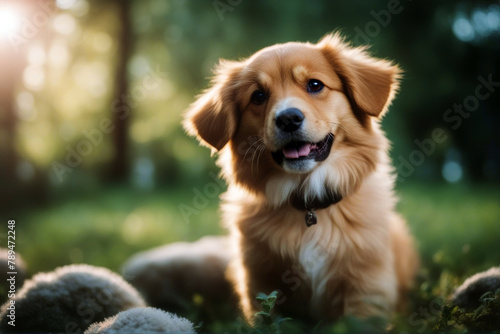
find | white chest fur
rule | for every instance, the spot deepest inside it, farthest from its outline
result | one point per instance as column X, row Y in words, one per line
column 318, row 250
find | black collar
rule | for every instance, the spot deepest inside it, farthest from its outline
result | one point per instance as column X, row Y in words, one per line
column 298, row 202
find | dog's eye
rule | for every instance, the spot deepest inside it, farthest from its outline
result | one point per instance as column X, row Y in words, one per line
column 314, row 86
column 258, row 97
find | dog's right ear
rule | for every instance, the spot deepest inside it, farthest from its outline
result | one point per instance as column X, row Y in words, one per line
column 213, row 117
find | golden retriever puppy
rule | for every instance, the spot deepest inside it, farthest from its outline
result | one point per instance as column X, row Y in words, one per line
column 310, row 201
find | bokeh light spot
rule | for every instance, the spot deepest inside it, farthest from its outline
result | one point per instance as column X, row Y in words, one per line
column 463, row 29
column 452, row 171
column 59, row 55
column 34, row 77
column 36, row 55
column 66, row 4
column 64, row 24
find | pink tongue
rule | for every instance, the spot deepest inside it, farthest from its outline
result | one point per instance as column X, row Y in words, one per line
column 294, row 153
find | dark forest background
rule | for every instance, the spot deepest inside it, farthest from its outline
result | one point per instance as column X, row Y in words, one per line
column 95, row 166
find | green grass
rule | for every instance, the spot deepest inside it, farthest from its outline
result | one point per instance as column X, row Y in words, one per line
column 108, row 227
column 457, row 229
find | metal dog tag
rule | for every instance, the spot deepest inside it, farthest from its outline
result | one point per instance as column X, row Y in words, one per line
column 311, row 218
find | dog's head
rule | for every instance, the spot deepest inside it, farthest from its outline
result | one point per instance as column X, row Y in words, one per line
column 297, row 122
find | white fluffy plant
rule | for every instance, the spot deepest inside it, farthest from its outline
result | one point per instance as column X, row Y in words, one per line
column 142, row 321
column 469, row 294
column 68, row 300
column 170, row 276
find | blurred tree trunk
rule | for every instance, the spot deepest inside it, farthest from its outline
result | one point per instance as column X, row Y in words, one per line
column 11, row 66
column 121, row 107
column 12, row 63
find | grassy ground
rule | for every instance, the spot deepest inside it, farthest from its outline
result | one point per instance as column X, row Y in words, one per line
column 457, row 229
column 105, row 228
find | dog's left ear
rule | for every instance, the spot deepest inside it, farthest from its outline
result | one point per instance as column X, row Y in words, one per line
column 213, row 117
column 370, row 83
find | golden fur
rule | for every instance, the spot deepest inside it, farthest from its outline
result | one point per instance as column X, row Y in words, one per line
column 359, row 258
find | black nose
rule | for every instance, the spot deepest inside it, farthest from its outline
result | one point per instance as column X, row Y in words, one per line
column 289, row 120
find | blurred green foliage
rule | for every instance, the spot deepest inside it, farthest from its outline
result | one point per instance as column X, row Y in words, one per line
column 65, row 83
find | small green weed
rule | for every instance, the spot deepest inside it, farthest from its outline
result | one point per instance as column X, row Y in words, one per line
column 265, row 321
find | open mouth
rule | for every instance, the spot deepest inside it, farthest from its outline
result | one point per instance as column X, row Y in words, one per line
column 300, row 150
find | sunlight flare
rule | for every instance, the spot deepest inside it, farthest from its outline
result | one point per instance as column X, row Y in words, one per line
column 10, row 21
